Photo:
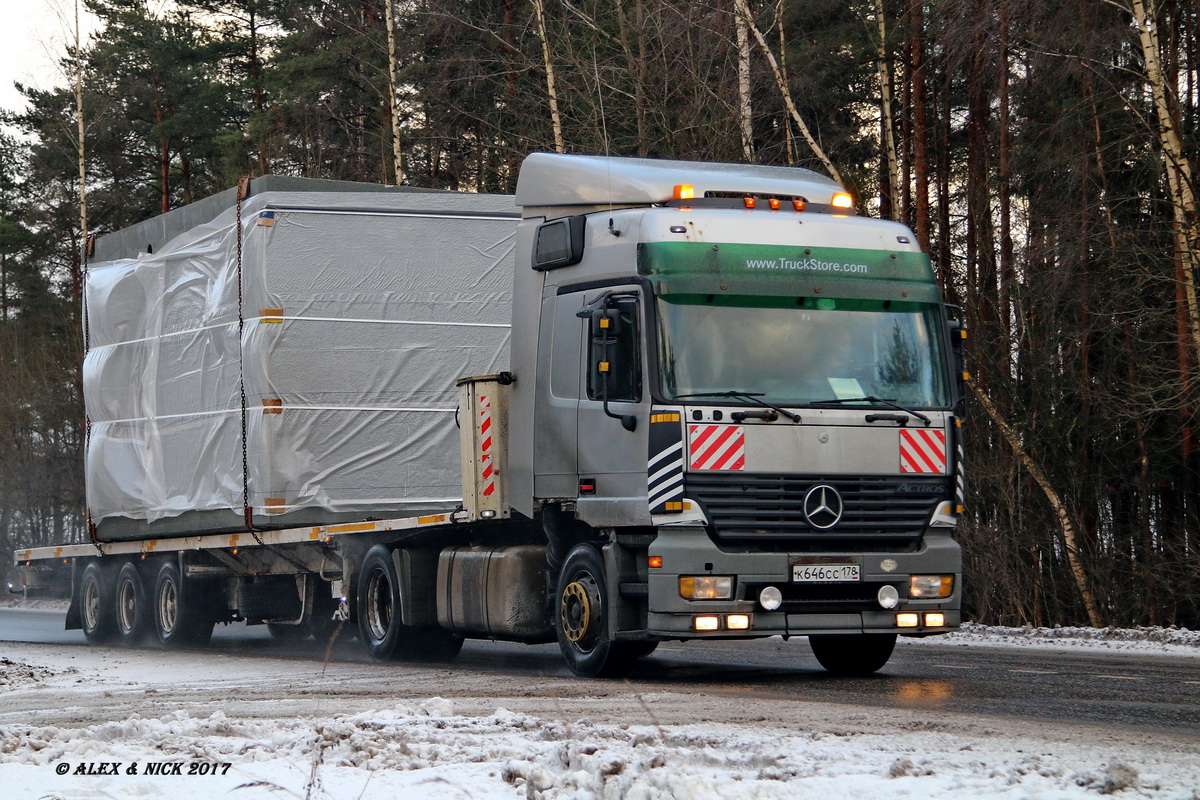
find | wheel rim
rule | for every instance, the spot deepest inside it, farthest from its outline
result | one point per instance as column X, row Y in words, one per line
column 126, row 605
column 168, row 606
column 579, row 609
column 379, row 605
column 91, row 605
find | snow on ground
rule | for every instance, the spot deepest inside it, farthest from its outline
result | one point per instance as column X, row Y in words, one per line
column 284, row 728
column 1144, row 640
column 428, row 751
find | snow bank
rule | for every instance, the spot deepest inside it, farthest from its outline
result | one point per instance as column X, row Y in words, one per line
column 1172, row 641
column 426, row 751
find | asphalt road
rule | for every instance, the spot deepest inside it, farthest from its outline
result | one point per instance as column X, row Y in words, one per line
column 1108, row 689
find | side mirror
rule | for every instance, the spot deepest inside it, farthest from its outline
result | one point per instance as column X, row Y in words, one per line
column 614, row 373
column 956, row 325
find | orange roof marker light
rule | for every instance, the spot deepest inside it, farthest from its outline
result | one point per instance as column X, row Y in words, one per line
column 773, row 203
column 749, row 202
column 685, row 191
column 842, row 200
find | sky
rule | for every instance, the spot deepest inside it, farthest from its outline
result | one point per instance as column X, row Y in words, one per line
column 33, row 37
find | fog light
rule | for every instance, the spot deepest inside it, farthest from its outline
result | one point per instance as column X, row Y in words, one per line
column 770, row 598
column 737, row 622
column 930, row 585
column 935, row 619
column 706, row 587
column 908, row 620
column 888, row 597
column 710, row 623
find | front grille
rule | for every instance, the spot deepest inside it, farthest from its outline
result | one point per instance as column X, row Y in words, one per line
column 766, row 512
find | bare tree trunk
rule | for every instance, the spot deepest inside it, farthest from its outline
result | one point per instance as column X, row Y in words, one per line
column 539, row 8
column 1004, row 187
column 743, row 8
column 1070, row 539
column 920, row 123
column 80, row 129
column 789, row 140
column 1179, row 167
column 393, row 92
column 744, row 110
column 889, row 196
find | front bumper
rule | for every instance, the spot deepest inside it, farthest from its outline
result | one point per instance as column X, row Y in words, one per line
column 807, row 608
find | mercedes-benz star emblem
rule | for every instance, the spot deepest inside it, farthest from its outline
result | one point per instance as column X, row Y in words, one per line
column 823, row 507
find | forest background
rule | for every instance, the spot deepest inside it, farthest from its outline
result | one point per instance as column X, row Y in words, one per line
column 1043, row 152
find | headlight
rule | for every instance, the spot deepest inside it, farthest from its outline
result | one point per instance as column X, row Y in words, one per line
column 930, row 585
column 706, row 587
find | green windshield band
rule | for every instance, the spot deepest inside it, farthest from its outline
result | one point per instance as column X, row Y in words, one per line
column 784, row 301
column 736, row 261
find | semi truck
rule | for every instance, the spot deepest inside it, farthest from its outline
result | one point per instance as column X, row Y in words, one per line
column 640, row 401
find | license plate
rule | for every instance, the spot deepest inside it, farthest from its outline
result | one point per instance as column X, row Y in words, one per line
column 825, row 573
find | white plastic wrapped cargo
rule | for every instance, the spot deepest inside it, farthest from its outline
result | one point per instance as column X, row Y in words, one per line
column 358, row 313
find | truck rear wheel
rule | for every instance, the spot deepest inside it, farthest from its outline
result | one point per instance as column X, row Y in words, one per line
column 582, row 619
column 181, row 617
column 133, row 611
column 853, row 654
column 96, row 605
column 379, row 622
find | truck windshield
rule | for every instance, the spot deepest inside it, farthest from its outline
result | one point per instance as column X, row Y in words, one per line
column 798, row 351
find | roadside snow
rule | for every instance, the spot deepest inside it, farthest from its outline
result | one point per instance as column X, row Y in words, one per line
column 284, row 728
column 427, row 751
column 1145, row 640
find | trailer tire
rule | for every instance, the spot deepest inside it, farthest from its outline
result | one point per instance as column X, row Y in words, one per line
column 181, row 617
column 385, row 637
column 96, row 605
column 134, row 623
column 582, row 619
column 853, row 654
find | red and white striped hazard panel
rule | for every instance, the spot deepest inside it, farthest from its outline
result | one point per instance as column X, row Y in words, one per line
column 486, row 468
column 716, row 447
column 922, row 451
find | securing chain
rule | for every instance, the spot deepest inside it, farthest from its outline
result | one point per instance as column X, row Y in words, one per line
column 243, row 191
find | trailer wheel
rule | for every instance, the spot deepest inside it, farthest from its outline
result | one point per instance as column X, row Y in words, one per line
column 96, row 604
column 853, row 654
column 133, row 611
column 384, row 635
column 180, row 616
column 582, row 619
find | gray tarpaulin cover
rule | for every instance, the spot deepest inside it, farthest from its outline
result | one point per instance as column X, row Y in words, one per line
column 358, row 313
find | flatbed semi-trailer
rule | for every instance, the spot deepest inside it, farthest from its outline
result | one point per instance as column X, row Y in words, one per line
column 649, row 400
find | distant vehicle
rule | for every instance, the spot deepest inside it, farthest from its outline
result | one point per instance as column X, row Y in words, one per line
column 693, row 401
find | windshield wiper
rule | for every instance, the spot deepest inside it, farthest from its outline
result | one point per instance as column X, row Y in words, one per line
column 872, row 399
column 749, row 397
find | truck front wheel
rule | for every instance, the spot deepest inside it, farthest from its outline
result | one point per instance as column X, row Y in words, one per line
column 853, row 654
column 96, row 605
column 582, row 619
column 379, row 617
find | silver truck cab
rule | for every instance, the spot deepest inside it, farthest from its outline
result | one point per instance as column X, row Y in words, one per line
column 728, row 365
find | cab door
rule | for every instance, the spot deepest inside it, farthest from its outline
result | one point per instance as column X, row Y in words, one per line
column 614, row 409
